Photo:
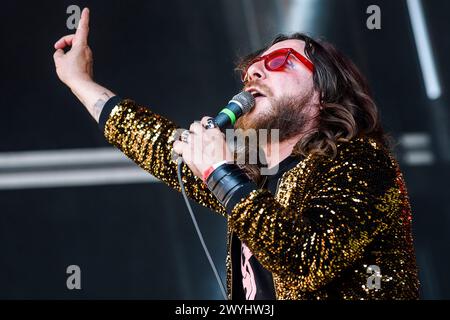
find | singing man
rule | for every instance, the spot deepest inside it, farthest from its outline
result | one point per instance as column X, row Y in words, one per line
column 333, row 222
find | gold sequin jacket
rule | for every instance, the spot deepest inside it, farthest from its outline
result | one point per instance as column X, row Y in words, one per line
column 329, row 223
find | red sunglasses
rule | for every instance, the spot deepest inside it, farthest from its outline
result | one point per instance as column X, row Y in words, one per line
column 276, row 60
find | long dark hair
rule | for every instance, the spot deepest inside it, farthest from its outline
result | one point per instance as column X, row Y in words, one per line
column 347, row 107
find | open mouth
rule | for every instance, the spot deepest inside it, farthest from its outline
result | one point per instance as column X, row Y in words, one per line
column 256, row 94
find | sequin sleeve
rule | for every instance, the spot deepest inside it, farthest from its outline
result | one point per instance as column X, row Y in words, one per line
column 147, row 138
column 316, row 227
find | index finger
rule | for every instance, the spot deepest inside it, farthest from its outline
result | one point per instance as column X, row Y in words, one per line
column 82, row 32
column 196, row 127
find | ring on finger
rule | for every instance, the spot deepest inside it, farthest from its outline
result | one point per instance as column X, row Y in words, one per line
column 210, row 124
column 185, row 136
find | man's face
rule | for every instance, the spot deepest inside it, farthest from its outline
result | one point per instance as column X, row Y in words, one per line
column 293, row 84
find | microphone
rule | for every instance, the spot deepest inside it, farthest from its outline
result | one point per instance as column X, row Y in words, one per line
column 241, row 103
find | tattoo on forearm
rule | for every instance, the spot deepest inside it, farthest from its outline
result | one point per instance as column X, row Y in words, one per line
column 98, row 106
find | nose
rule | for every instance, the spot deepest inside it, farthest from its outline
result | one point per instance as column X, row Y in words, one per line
column 256, row 71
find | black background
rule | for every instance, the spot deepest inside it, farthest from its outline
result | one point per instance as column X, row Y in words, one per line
column 137, row 240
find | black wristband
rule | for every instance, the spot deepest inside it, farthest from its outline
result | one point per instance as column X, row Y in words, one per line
column 106, row 111
column 226, row 180
column 238, row 194
column 219, row 173
column 228, row 183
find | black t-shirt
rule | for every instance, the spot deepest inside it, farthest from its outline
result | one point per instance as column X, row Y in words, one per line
column 250, row 280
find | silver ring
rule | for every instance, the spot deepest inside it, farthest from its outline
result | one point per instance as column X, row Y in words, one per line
column 210, row 124
column 185, row 136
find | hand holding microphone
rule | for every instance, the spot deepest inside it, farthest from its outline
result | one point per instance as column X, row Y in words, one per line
column 196, row 141
column 203, row 145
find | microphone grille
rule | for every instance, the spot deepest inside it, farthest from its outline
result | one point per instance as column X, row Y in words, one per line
column 246, row 100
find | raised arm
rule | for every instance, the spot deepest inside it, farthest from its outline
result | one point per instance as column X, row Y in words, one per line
column 75, row 68
column 145, row 137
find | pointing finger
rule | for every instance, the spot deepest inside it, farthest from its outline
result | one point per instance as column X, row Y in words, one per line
column 81, row 35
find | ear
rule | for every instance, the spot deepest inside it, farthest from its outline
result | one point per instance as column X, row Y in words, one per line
column 316, row 101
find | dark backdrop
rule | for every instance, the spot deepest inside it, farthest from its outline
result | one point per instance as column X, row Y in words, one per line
column 136, row 240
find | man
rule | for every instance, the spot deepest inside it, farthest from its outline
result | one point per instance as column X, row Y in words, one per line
column 334, row 222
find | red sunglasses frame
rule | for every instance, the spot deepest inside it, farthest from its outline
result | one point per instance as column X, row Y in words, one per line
column 287, row 52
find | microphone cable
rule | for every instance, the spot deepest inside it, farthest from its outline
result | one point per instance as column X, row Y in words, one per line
column 199, row 233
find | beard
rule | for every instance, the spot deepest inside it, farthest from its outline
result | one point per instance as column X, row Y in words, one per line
column 287, row 114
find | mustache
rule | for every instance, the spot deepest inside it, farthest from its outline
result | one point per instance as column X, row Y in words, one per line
column 286, row 114
column 261, row 87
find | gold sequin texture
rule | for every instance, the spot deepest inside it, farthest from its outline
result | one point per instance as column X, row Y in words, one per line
column 330, row 220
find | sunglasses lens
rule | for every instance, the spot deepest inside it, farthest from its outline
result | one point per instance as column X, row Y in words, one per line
column 276, row 61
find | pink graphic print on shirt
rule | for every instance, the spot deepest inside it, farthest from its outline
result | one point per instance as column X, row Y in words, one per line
column 248, row 277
